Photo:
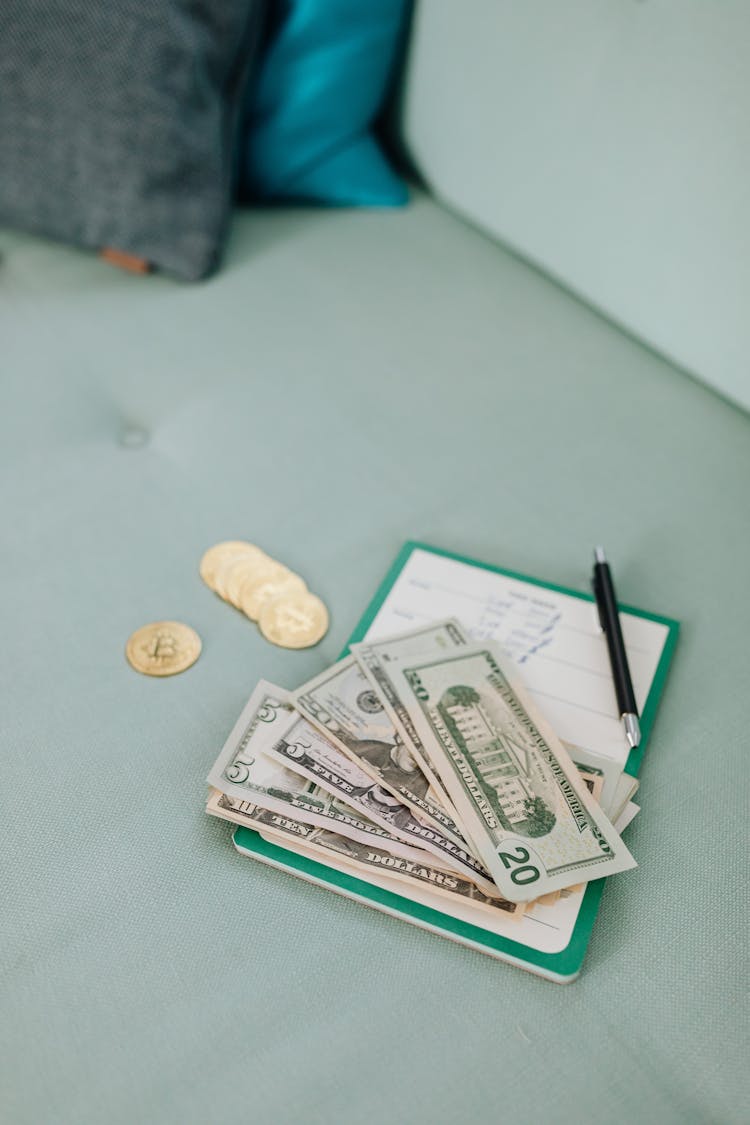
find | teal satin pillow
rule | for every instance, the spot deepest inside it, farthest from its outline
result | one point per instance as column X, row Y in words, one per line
column 310, row 111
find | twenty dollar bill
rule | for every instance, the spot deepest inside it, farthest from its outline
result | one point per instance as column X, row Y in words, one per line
column 512, row 783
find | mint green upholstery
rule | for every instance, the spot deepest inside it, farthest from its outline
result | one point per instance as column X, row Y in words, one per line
column 609, row 141
column 348, row 381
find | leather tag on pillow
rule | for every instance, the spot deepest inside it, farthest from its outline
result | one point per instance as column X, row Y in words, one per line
column 125, row 261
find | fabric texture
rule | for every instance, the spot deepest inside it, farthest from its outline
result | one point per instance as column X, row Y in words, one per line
column 118, row 122
column 311, row 109
column 435, row 387
column 610, row 144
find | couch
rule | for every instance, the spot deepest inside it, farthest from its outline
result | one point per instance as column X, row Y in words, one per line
column 347, row 381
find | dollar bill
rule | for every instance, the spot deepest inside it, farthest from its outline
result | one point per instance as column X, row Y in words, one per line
column 576, row 889
column 609, row 768
column 308, row 751
column 341, row 852
column 626, row 789
column 244, row 773
column 265, row 715
column 510, row 779
column 592, row 779
column 349, row 710
column 630, row 812
column 377, row 660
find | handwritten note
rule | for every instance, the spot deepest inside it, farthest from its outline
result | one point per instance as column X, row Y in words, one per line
column 554, row 639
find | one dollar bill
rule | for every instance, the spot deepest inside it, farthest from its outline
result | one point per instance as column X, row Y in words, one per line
column 514, row 787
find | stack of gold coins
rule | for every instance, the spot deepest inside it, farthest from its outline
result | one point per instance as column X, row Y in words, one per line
column 267, row 592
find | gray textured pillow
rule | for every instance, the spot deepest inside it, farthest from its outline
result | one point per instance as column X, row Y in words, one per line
column 117, row 123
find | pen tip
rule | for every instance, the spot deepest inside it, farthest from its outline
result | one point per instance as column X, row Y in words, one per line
column 599, row 555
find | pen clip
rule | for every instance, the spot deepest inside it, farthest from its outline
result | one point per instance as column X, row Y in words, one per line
column 597, row 598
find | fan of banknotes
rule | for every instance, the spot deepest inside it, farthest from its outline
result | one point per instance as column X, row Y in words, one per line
column 420, row 756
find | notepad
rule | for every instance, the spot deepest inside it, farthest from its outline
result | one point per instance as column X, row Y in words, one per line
column 553, row 635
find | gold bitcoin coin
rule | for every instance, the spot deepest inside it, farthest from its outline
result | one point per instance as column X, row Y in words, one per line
column 294, row 621
column 235, row 569
column 256, row 591
column 163, row 648
column 231, row 577
column 217, row 555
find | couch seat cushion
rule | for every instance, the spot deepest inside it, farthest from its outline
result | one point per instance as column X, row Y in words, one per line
column 348, row 381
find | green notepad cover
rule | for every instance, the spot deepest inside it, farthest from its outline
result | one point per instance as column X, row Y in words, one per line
column 562, row 966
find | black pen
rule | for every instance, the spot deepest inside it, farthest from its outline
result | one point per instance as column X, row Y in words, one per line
column 609, row 619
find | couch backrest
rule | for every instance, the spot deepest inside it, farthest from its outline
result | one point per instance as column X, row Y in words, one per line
column 609, row 142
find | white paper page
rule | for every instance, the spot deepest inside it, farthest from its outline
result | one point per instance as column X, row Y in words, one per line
column 553, row 638
column 561, row 655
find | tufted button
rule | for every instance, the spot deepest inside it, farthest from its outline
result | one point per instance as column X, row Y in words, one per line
column 134, row 437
